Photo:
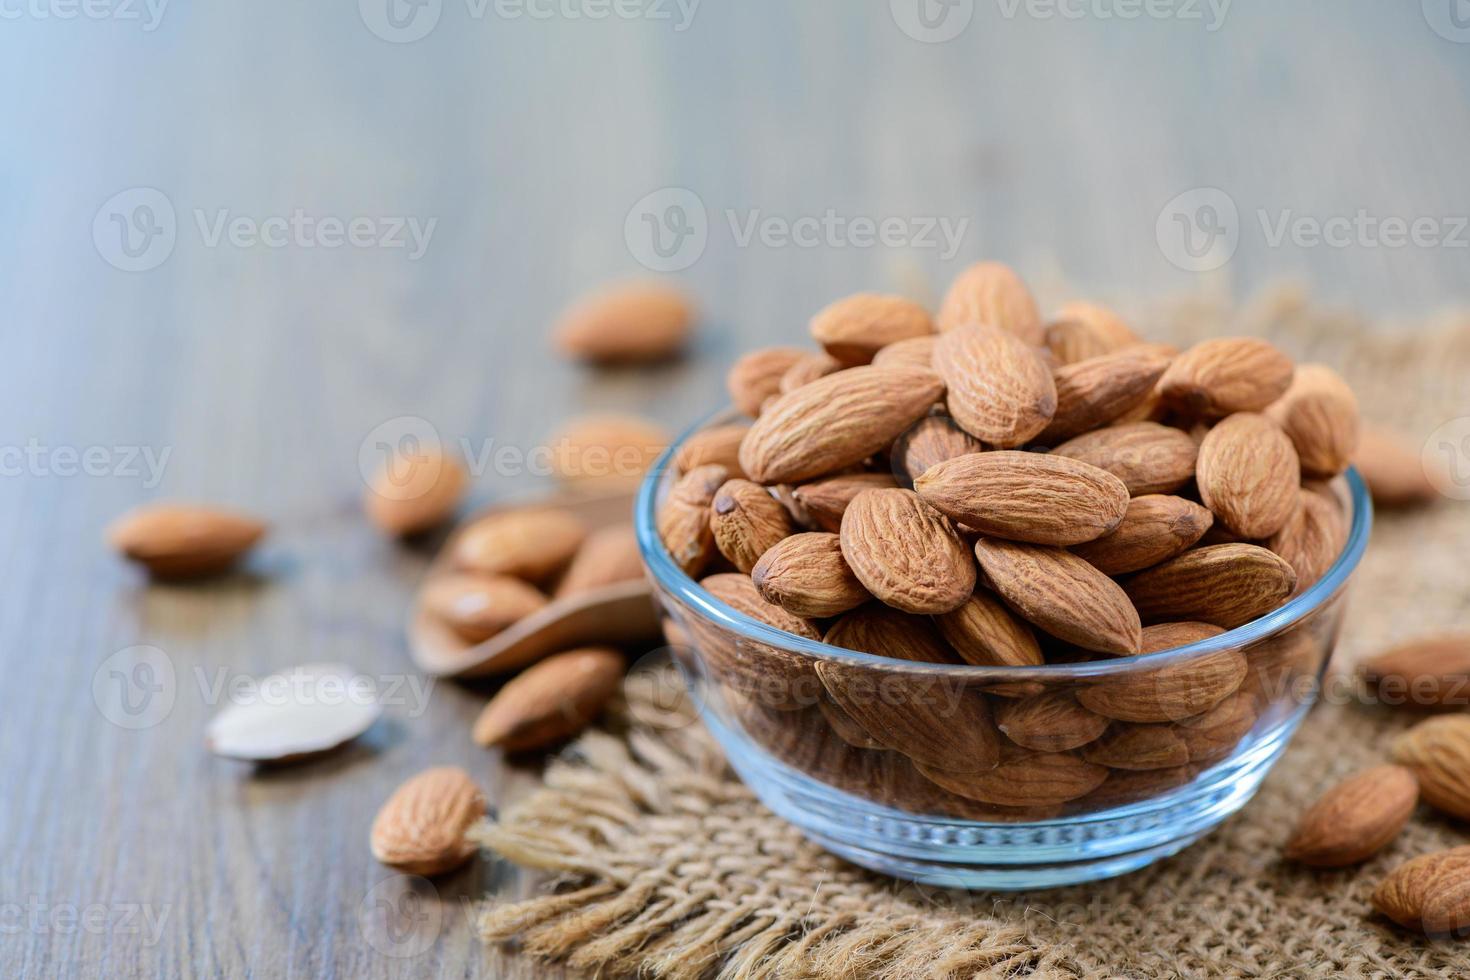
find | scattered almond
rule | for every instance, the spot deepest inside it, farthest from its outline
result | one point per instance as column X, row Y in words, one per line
column 1355, row 819
column 184, row 540
column 416, row 493
column 479, row 606
column 630, row 322
column 1394, row 473
column 1438, row 752
column 1426, row 672
column 855, row 328
column 532, row 544
column 550, row 700
column 326, row 706
column 420, row 830
column 999, row 389
column 609, row 555
column 1405, row 893
column 616, row 450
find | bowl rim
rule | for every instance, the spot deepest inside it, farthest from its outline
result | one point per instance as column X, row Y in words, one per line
column 668, row 575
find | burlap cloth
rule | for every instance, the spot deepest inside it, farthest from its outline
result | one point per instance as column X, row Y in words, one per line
column 664, row 864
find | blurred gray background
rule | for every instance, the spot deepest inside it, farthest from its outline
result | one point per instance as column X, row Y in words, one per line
column 246, row 234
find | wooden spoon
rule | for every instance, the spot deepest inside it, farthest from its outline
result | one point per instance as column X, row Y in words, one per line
column 619, row 614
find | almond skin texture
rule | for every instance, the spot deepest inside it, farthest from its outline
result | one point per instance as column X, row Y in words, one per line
column 985, row 633
column 825, row 501
column 615, row 450
column 1103, row 322
column 1170, row 693
column 420, row 830
column 413, row 495
column 806, row 575
column 1171, row 636
column 1430, row 672
column 1051, row 722
column 1138, row 747
column 531, row 544
column 1155, row 528
column 1071, row 341
column 1438, row 752
column 1447, row 909
column 807, row 369
column 1319, row 412
column 608, row 556
column 746, row 521
column 886, row 632
column 1024, row 779
column 757, row 376
column 184, row 540
column 835, row 422
column 1146, row 456
column 629, row 323
column 770, row 676
column 1094, row 392
column 855, row 328
column 991, row 293
column 479, row 606
column 1394, row 473
column 1311, row 539
column 1403, row 895
column 550, row 700
column 1213, row 735
column 1249, row 475
column 1355, row 819
column 720, row 444
column 915, row 352
column 931, row 440
column 906, row 553
column 999, row 389
column 1062, row 594
column 1024, row 496
column 684, row 518
column 1224, row 584
column 1224, row 375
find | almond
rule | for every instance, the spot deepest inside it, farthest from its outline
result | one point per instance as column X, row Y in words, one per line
column 606, row 449
column 984, row 633
column 1394, row 474
column 479, row 606
column 1024, row 496
column 1138, row 747
column 1426, row 672
column 886, row 632
column 184, row 540
column 420, row 830
column 768, row 675
column 630, row 322
column 1024, row 779
column 1319, row 412
column 1447, row 909
column 1171, row 636
column 531, row 544
column 1438, row 752
column 931, row 440
column 609, row 555
column 826, row 500
column 1062, row 594
column 1404, row 894
column 835, row 422
column 999, row 389
column 1071, row 341
column 1103, row 322
column 1050, row 722
column 684, row 518
column 906, row 553
column 807, row 369
column 1224, row 375
column 1169, row 693
column 1249, row 474
column 846, row 726
column 415, row 492
column 1355, row 819
column 1155, row 528
column 855, row 328
column 991, row 293
column 1311, row 539
column 747, row 521
column 1093, row 392
column 1146, row 456
column 1224, row 584
column 807, row 576
column 757, row 376
column 915, row 352
column 1213, row 735
column 719, row 444
column 1128, row 786
column 550, row 700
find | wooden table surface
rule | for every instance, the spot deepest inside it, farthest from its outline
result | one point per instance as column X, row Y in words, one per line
column 178, row 322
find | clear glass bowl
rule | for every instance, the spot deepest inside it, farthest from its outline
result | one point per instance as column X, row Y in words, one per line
column 785, row 710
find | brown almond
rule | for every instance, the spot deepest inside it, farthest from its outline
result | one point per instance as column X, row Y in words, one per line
column 1024, row 779
column 807, row 369
column 609, row 555
column 1355, row 819
column 616, row 450
column 740, row 593
column 531, row 544
column 420, row 830
column 1438, row 752
column 1062, row 594
column 886, row 632
column 184, row 540
column 906, row 553
column 746, row 521
column 1311, row 539
column 825, row 501
column 1050, row 722
column 806, row 575
column 991, row 293
column 768, row 675
column 1024, row 496
column 479, row 606
column 1103, row 322
column 1319, row 412
column 1155, row 528
column 835, row 422
column 985, row 633
column 845, row 726
column 684, row 518
column 1425, row 672
column 998, row 388
column 415, row 492
column 719, row 444
column 1094, row 392
column 1249, row 474
column 1170, row 636
column 915, row 352
column 1224, row 584
column 1447, row 909
column 1169, row 693
column 1213, row 735
column 1138, row 747
column 1071, row 341
column 931, row 440
column 855, row 328
column 1402, row 895
column 757, row 376
column 550, row 700
column 1394, row 473
column 1224, row 375
column 1146, row 456
column 626, row 323
column 1130, row 785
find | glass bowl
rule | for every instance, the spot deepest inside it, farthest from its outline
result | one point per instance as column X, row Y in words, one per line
column 903, row 767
